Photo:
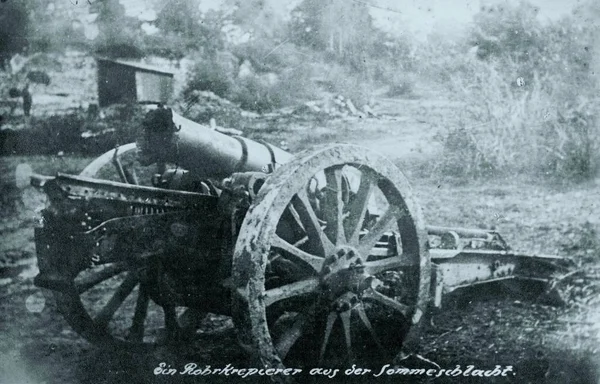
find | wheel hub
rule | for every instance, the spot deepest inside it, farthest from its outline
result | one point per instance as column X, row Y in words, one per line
column 343, row 277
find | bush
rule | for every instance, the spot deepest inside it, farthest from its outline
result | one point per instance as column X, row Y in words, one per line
column 268, row 92
column 400, row 85
column 573, row 147
column 533, row 128
column 503, row 29
column 463, row 156
column 76, row 132
column 210, row 75
column 532, row 112
column 265, row 87
column 268, row 56
column 202, row 106
column 340, row 80
column 254, row 94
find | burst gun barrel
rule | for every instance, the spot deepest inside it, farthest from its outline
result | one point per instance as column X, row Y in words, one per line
column 171, row 138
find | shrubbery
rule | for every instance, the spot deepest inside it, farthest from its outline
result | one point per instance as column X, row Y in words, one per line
column 530, row 102
column 527, row 89
column 400, row 84
column 76, row 132
column 266, row 82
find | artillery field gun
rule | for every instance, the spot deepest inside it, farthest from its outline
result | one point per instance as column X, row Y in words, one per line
column 321, row 259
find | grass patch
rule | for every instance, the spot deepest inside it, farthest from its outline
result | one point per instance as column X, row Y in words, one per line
column 529, row 95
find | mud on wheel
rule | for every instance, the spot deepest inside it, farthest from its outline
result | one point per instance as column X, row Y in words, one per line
column 320, row 280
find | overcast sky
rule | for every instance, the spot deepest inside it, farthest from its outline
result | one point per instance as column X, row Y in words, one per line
column 419, row 17
column 422, row 17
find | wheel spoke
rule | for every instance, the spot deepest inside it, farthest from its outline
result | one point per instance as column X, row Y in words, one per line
column 315, row 262
column 384, row 224
column 330, row 211
column 136, row 331
column 292, row 334
column 292, row 305
column 394, row 262
column 334, row 205
column 285, row 267
column 130, row 176
column 358, row 208
column 119, row 167
column 121, row 293
column 290, row 290
column 318, row 241
column 345, row 317
column 171, row 321
column 134, row 177
column 296, row 217
column 301, row 241
column 120, row 172
column 372, row 294
column 191, row 318
column 331, row 318
column 360, row 309
column 89, row 281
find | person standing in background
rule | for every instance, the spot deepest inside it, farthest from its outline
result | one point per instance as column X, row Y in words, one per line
column 27, row 100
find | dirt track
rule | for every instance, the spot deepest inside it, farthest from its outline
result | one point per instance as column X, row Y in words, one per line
column 543, row 343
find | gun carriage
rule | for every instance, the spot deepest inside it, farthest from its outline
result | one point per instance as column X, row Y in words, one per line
column 320, row 258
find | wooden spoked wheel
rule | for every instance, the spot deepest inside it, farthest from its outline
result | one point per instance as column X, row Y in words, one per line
column 117, row 164
column 112, row 304
column 313, row 287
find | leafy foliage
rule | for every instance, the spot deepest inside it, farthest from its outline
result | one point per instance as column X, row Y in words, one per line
column 305, row 26
column 184, row 29
column 529, row 95
column 76, row 132
column 210, row 75
column 507, row 30
column 256, row 18
column 14, row 24
column 119, row 35
column 262, row 88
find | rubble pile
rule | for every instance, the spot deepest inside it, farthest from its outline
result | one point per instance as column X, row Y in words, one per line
column 337, row 106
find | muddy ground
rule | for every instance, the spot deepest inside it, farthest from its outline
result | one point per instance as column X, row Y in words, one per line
column 500, row 325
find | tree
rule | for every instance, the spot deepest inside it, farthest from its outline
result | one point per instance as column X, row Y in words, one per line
column 306, row 24
column 183, row 29
column 180, row 17
column 14, row 23
column 119, row 35
column 52, row 26
column 506, row 29
column 342, row 27
column 257, row 17
column 587, row 15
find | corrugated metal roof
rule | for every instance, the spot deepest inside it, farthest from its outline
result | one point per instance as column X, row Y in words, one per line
column 139, row 66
